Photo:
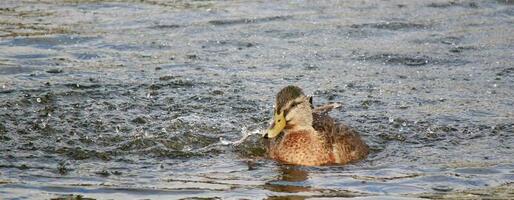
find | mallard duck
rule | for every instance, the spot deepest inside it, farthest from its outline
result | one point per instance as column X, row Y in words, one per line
column 303, row 135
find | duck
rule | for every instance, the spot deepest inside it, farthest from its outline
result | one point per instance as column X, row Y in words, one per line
column 300, row 134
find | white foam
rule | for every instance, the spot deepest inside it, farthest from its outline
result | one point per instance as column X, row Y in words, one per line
column 244, row 135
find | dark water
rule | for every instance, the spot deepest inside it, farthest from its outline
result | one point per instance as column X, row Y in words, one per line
column 141, row 99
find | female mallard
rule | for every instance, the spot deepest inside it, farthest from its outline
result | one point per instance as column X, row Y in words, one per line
column 303, row 135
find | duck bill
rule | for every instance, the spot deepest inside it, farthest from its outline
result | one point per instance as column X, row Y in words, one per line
column 279, row 123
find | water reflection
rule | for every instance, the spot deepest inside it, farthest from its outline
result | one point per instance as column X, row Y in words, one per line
column 293, row 174
column 291, row 179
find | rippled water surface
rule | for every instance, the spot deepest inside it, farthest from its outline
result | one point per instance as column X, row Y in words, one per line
column 144, row 99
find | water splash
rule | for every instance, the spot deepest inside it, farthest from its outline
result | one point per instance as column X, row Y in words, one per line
column 245, row 134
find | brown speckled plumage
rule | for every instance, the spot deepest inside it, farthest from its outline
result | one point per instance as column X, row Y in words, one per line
column 346, row 142
column 326, row 142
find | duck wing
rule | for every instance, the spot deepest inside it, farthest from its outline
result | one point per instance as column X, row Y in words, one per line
column 344, row 142
column 323, row 124
column 348, row 145
column 326, row 108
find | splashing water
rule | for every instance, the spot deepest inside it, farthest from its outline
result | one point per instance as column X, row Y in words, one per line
column 245, row 134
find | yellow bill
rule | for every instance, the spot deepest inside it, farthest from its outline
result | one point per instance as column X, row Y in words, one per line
column 279, row 122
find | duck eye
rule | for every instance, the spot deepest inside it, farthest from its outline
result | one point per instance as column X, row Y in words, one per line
column 295, row 104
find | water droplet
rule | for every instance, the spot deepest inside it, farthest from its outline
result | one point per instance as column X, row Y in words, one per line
column 391, row 120
column 38, row 100
column 429, row 130
column 404, row 124
column 3, row 86
column 224, row 142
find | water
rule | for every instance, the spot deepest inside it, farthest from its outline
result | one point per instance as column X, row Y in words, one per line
column 158, row 99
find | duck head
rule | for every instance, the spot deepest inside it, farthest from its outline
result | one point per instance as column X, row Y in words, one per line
column 293, row 110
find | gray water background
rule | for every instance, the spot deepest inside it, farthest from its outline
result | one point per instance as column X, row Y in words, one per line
column 140, row 99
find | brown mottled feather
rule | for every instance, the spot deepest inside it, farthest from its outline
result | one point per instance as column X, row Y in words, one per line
column 300, row 148
column 346, row 142
column 349, row 145
column 334, row 144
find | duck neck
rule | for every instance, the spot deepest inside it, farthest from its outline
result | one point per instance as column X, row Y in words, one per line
column 299, row 128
